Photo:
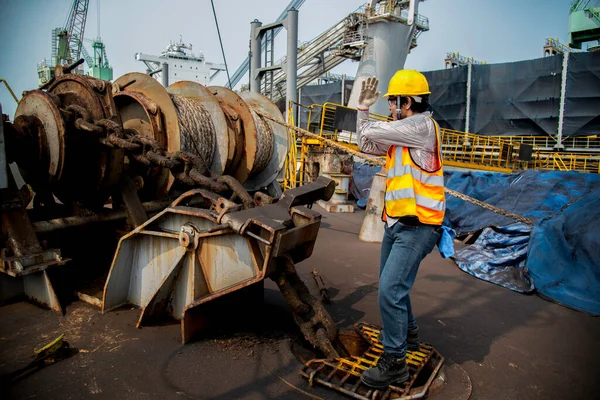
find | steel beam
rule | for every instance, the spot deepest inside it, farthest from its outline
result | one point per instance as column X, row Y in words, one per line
column 291, row 94
column 563, row 94
column 165, row 74
column 255, row 38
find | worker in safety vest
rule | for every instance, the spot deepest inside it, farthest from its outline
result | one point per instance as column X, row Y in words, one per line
column 413, row 211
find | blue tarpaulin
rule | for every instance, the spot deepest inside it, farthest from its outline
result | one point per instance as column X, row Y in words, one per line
column 559, row 257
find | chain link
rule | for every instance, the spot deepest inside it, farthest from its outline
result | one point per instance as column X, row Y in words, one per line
column 310, row 315
column 490, row 207
column 186, row 167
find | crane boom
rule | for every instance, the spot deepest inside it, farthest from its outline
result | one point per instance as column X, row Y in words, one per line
column 75, row 27
column 584, row 25
column 67, row 40
column 577, row 5
column 87, row 57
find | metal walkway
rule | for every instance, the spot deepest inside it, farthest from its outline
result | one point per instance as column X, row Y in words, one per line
column 322, row 54
column 343, row 374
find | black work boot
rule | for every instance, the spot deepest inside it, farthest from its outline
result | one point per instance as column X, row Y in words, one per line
column 412, row 339
column 389, row 370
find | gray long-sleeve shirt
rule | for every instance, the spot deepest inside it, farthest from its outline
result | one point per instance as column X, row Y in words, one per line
column 416, row 132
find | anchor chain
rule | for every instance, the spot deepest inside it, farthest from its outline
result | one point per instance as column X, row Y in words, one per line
column 186, row 167
column 314, row 321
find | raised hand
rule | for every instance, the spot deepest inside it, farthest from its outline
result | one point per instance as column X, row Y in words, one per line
column 368, row 93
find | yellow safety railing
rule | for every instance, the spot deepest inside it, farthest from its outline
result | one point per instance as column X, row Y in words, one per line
column 291, row 159
column 302, row 145
column 459, row 149
column 297, row 155
column 468, row 150
column 547, row 142
column 568, row 162
column 328, row 113
column 328, row 129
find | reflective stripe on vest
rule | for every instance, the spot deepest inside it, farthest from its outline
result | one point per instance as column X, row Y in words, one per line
column 412, row 191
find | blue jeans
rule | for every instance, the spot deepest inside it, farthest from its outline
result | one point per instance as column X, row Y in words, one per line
column 402, row 250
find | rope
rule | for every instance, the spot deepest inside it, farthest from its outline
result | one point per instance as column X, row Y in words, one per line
column 264, row 141
column 378, row 161
column 198, row 133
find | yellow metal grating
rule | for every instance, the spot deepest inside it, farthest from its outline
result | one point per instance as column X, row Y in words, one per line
column 343, row 374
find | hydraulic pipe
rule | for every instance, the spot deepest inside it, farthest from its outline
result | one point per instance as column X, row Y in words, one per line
column 165, row 74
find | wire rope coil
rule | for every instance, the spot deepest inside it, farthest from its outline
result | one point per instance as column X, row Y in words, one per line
column 198, row 133
column 264, row 143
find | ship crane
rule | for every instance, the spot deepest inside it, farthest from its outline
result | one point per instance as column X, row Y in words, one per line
column 69, row 38
column 67, row 46
column 584, row 25
column 181, row 64
column 66, row 41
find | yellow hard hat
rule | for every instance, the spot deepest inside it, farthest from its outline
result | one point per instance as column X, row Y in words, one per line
column 407, row 82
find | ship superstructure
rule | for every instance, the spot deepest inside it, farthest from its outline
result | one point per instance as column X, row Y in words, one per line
column 183, row 65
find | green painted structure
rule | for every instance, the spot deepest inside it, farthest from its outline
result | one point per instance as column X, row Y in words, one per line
column 584, row 25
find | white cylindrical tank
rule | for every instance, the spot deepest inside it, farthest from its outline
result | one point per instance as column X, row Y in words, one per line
column 385, row 54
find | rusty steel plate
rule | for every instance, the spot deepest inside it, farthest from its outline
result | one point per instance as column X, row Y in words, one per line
column 41, row 105
column 150, row 88
column 203, row 95
column 83, row 91
column 236, row 107
column 280, row 137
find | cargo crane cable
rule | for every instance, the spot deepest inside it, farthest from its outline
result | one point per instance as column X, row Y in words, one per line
column 221, row 42
column 194, row 118
column 378, row 161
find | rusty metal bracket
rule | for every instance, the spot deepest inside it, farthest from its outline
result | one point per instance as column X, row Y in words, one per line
column 320, row 189
column 186, row 256
column 18, row 266
column 28, row 262
column 135, row 211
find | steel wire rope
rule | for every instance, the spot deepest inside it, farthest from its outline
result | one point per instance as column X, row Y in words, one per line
column 264, row 142
column 195, row 122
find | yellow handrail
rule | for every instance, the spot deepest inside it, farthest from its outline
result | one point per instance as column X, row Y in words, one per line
column 559, row 162
column 291, row 159
column 462, row 149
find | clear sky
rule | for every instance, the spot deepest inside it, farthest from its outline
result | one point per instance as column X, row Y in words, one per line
column 489, row 30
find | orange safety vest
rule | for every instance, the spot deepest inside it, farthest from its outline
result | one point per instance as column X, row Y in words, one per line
column 412, row 191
